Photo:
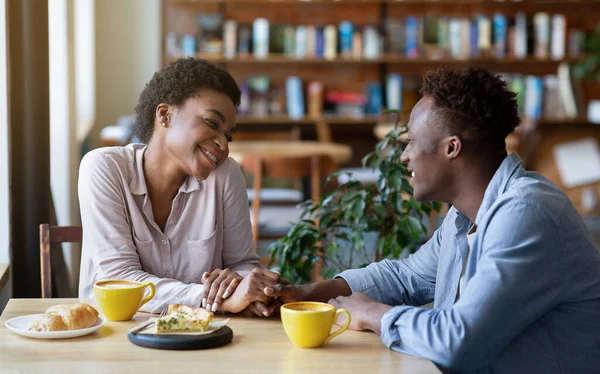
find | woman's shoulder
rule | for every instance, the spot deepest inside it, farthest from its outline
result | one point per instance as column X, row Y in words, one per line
column 118, row 160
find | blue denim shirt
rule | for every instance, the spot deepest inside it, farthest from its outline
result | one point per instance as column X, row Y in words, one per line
column 531, row 300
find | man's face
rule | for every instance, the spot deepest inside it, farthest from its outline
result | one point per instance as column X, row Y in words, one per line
column 425, row 155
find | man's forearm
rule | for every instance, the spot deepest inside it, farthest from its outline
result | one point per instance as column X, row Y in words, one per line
column 325, row 290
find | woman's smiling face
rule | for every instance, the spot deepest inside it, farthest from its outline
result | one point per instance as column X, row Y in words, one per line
column 199, row 131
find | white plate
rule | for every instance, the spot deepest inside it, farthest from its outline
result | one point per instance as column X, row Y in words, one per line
column 21, row 325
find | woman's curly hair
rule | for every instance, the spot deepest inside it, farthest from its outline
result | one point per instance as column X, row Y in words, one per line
column 474, row 104
column 177, row 82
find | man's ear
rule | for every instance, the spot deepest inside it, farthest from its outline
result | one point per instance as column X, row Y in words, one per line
column 163, row 114
column 453, row 146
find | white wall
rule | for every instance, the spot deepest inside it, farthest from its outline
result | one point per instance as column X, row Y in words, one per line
column 64, row 152
column 4, row 152
column 85, row 67
column 128, row 52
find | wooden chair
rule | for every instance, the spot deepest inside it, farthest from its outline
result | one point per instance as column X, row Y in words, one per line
column 314, row 167
column 278, row 194
column 54, row 235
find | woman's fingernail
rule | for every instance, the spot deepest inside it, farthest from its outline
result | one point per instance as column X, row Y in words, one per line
column 208, row 307
column 204, row 302
column 265, row 313
column 225, row 294
column 214, row 307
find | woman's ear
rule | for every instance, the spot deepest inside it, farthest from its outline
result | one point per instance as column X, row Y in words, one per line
column 163, row 113
column 453, row 146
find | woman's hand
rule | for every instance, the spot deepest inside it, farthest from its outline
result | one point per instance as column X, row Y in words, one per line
column 218, row 286
column 250, row 291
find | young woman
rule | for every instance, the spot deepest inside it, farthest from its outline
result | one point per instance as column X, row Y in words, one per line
column 174, row 211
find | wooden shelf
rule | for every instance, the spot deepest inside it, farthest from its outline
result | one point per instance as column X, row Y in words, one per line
column 386, row 59
column 580, row 121
column 285, row 120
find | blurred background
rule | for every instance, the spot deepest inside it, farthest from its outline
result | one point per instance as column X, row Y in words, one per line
column 314, row 73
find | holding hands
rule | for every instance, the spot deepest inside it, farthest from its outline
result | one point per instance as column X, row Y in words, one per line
column 218, row 285
column 228, row 291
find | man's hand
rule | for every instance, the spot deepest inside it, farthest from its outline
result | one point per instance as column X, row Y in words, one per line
column 250, row 290
column 365, row 312
column 285, row 292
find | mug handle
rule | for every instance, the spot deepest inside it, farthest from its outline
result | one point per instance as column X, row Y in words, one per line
column 151, row 295
column 341, row 329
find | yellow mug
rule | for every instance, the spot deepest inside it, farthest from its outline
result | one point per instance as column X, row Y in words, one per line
column 119, row 300
column 308, row 324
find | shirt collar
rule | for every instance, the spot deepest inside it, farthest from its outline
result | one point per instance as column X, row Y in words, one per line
column 509, row 168
column 137, row 186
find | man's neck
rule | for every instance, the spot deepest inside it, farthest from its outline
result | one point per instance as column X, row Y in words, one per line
column 471, row 187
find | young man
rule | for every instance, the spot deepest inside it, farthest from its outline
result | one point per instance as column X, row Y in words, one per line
column 513, row 272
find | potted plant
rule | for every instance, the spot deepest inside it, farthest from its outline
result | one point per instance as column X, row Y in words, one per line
column 352, row 213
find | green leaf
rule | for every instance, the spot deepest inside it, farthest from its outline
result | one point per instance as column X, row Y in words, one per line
column 395, row 180
column 380, row 209
column 437, row 206
column 416, row 228
column 367, row 159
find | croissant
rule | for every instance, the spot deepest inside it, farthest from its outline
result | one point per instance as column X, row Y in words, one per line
column 66, row 317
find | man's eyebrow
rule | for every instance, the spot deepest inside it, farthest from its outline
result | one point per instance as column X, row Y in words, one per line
column 219, row 114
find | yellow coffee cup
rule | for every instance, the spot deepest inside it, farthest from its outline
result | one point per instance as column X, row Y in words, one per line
column 119, row 300
column 308, row 324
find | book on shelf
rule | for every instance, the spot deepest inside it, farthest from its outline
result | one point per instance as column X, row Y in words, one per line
column 295, row 97
column 500, row 35
column 330, row 47
column 229, row 39
column 346, row 33
column 558, row 38
column 570, row 91
column 300, row 45
column 260, row 38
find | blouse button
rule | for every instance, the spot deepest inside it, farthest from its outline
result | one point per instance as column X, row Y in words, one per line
column 164, row 242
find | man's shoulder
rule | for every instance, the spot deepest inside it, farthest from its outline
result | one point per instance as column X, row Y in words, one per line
column 535, row 190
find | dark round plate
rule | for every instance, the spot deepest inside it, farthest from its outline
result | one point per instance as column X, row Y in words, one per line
column 183, row 342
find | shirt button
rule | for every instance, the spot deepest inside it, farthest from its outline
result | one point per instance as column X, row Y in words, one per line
column 164, row 242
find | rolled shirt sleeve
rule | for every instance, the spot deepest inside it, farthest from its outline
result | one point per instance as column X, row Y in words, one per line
column 409, row 281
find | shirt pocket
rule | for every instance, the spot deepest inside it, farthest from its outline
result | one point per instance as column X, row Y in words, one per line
column 201, row 254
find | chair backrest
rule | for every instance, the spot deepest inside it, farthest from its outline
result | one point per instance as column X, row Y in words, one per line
column 54, row 234
column 315, row 167
column 291, row 134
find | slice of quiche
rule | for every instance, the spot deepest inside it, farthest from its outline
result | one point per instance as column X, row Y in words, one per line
column 184, row 318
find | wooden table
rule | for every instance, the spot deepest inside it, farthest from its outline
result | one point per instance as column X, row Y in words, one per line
column 259, row 346
column 339, row 153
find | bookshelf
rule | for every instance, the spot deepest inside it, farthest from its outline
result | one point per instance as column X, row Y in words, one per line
column 354, row 74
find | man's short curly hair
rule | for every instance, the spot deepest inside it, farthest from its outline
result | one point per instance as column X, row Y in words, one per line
column 474, row 104
column 176, row 83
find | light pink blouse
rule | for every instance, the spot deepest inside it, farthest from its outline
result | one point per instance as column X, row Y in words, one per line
column 208, row 228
